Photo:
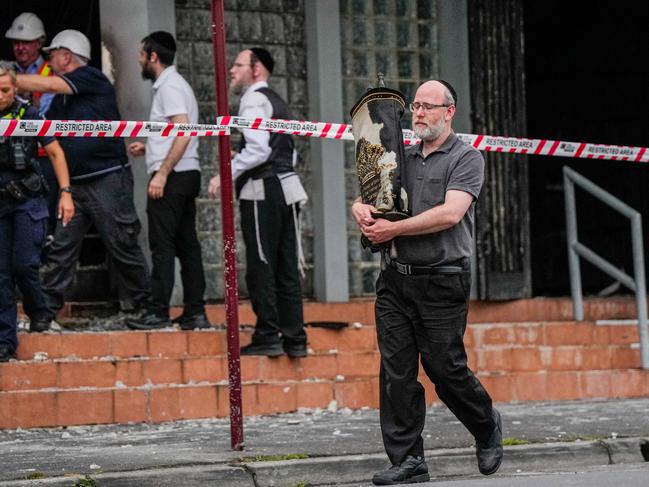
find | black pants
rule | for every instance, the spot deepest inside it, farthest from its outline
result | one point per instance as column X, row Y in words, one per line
column 425, row 316
column 172, row 233
column 274, row 286
column 22, row 232
column 106, row 203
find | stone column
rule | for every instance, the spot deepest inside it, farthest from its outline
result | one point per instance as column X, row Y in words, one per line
column 324, row 70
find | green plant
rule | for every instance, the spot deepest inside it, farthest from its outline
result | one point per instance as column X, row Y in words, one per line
column 86, row 481
column 273, row 458
column 514, row 441
column 34, row 476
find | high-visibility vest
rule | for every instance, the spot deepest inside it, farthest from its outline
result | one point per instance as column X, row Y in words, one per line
column 44, row 70
column 28, row 145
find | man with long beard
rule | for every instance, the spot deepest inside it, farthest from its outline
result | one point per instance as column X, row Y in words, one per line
column 423, row 291
column 172, row 163
column 270, row 196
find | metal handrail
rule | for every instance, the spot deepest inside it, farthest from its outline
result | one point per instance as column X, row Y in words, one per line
column 577, row 249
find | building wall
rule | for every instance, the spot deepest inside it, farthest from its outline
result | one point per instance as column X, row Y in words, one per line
column 397, row 37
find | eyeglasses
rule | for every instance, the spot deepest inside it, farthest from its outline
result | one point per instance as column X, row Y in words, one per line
column 427, row 107
column 241, row 65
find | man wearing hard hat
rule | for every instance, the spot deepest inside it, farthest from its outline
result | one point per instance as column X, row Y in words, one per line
column 27, row 36
column 102, row 181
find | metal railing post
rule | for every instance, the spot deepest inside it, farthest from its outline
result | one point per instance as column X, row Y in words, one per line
column 577, row 250
column 573, row 258
column 640, row 292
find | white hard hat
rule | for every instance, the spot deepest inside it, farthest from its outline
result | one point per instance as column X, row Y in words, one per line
column 26, row 27
column 73, row 40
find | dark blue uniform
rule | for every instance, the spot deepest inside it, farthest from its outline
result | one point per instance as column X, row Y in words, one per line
column 22, row 230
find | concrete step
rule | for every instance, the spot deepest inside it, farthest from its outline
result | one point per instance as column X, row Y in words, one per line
column 362, row 310
column 500, row 338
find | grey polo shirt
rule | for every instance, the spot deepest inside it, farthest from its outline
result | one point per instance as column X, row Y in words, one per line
column 455, row 165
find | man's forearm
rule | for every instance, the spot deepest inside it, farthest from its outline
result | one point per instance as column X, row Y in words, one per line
column 176, row 152
column 431, row 221
column 47, row 84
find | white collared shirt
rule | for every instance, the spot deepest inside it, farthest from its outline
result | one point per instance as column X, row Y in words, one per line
column 257, row 149
column 172, row 95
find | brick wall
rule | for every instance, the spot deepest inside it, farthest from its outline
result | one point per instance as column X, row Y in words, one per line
column 397, row 37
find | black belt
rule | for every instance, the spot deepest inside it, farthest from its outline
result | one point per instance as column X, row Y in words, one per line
column 414, row 270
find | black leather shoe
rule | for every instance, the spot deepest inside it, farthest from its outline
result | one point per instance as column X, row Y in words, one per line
column 148, row 321
column 490, row 453
column 6, row 353
column 193, row 322
column 411, row 471
column 295, row 350
column 267, row 349
column 39, row 326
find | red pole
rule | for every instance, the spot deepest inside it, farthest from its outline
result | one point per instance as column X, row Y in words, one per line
column 229, row 242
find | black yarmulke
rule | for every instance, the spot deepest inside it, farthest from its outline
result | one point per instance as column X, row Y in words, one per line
column 164, row 39
column 264, row 58
column 450, row 88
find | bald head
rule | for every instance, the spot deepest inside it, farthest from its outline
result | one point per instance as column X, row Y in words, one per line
column 436, row 90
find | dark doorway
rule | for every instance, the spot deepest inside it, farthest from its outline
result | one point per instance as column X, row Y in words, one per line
column 587, row 81
column 57, row 15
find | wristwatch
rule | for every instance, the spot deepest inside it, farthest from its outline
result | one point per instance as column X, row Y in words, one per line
column 65, row 189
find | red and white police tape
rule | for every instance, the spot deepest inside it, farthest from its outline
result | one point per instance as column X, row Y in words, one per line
column 491, row 143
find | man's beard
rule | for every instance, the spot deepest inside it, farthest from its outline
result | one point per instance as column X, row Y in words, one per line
column 147, row 72
column 429, row 133
column 237, row 89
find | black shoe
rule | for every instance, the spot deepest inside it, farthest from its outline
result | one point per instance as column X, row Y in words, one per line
column 148, row 321
column 39, row 325
column 295, row 350
column 6, row 353
column 267, row 349
column 193, row 322
column 490, row 453
column 411, row 471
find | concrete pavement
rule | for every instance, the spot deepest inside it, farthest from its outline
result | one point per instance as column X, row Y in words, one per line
column 332, row 446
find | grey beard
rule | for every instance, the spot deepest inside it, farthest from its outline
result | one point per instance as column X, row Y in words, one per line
column 429, row 133
column 237, row 90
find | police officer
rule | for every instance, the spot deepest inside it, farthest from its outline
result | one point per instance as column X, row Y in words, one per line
column 22, row 215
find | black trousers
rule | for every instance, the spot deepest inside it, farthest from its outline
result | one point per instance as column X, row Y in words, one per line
column 172, row 233
column 424, row 316
column 22, row 232
column 274, row 285
column 106, row 202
